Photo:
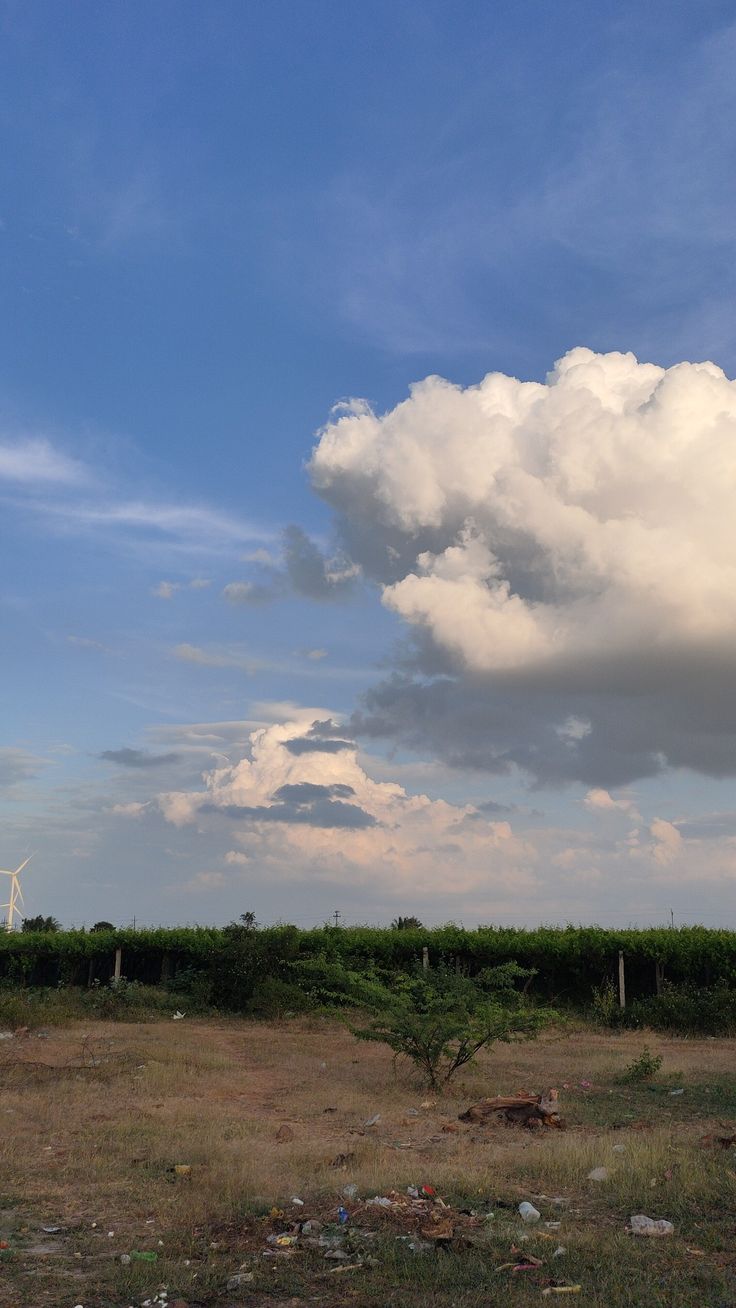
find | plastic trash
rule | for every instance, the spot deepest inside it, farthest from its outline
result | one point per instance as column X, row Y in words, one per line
column 343, row 1216
column 562, row 1289
column 350, row 1191
column 52, row 1230
column 296, row 1200
column 338, row 1255
column 619, row 1149
column 677, row 1092
column 641, row 1225
column 125, row 1260
column 182, row 1169
column 312, row 1227
column 379, row 1201
column 177, row 1016
column 598, row 1174
column 528, row 1212
column 146, row 1256
column 560, row 1251
column 240, row 1278
column 373, row 1121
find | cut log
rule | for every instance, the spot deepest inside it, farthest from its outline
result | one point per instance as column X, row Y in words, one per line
column 530, row 1111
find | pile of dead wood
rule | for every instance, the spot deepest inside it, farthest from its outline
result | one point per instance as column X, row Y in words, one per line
column 526, row 1110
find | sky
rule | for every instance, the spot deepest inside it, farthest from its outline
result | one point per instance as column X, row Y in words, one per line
column 367, row 460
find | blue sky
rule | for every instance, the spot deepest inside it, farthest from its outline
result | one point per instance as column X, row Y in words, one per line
column 216, row 223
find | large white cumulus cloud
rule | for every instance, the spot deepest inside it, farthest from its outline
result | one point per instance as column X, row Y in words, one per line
column 573, row 541
column 302, row 807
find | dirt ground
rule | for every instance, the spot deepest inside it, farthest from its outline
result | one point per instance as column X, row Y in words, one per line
column 97, row 1118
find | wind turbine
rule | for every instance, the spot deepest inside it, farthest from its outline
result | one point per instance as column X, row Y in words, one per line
column 16, row 894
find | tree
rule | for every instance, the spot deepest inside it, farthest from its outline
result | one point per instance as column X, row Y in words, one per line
column 406, row 924
column 41, row 923
column 102, row 926
column 438, row 1020
column 249, row 921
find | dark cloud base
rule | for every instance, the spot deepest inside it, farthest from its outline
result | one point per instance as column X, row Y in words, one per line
column 626, row 733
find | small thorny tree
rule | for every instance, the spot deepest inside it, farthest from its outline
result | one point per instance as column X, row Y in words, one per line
column 436, row 1019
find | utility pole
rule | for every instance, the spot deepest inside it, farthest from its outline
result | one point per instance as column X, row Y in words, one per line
column 337, row 915
column 672, row 919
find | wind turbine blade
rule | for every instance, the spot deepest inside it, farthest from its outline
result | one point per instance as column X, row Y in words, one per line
column 18, row 894
column 23, row 864
column 6, row 873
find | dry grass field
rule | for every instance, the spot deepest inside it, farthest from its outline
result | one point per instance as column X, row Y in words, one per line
column 96, row 1117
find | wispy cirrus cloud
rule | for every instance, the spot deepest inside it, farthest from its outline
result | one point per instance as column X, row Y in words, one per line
column 18, row 765
column 213, row 658
column 137, row 758
column 33, row 461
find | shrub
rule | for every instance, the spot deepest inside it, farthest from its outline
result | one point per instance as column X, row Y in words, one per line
column 274, row 998
column 129, row 1001
column 642, row 1068
column 605, row 1007
column 688, row 1009
column 437, row 1020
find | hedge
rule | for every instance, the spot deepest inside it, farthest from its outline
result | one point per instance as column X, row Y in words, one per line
column 570, row 962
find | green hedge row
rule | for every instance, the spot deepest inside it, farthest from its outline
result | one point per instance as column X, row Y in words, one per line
column 570, row 962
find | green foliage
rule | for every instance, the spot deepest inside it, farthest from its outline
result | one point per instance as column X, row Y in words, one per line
column 40, row 924
column 569, row 964
column 642, row 1068
column 606, row 1008
column 687, row 1009
column 247, row 957
column 20, row 1007
column 406, row 924
column 102, row 926
column 276, row 999
column 129, row 1001
column 440, row 1021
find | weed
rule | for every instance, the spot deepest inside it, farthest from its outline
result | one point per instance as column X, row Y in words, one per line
column 642, row 1068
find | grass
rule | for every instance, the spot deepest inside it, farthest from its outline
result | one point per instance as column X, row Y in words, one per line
column 95, row 1117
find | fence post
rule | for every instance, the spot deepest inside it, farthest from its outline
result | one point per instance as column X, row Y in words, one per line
column 659, row 976
column 425, row 959
column 621, row 980
column 118, row 963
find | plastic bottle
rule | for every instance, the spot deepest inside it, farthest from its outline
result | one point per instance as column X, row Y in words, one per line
column 528, row 1212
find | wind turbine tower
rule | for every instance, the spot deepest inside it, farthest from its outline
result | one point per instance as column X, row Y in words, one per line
column 16, row 894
